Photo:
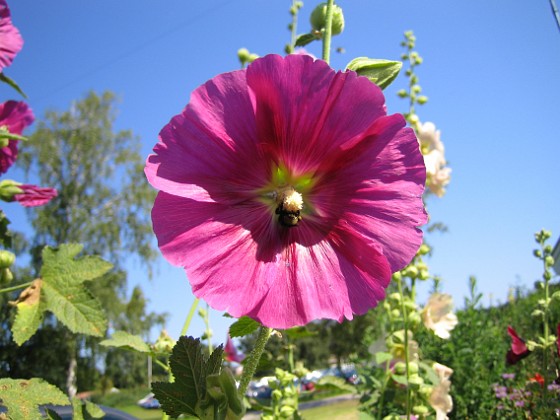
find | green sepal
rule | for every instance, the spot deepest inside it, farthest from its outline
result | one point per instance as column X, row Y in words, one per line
column 381, row 72
column 12, row 83
column 11, row 136
column 243, row 326
column 22, row 397
column 229, row 386
column 303, row 40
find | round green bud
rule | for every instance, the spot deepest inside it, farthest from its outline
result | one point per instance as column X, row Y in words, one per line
column 547, row 275
column 252, row 57
column 412, row 368
column 400, row 368
column 549, row 261
column 414, row 318
column 537, row 253
column 287, row 411
column 395, row 296
column 424, row 249
column 318, row 18
column 422, row 99
column 276, row 395
column 402, row 93
column 243, row 55
column 424, row 275
column 413, row 119
column 395, row 313
column 415, row 381
column 6, row 259
column 420, row 410
column 417, row 88
column 397, row 276
column 411, row 272
column 548, row 249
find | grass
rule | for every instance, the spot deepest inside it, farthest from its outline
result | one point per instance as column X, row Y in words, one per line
column 344, row 410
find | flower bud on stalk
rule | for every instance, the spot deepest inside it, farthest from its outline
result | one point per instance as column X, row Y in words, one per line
column 318, row 18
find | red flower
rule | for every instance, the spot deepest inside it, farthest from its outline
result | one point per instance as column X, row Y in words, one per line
column 231, row 353
column 518, row 349
column 537, row 378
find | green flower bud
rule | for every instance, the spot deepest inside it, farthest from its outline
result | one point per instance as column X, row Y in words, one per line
column 402, row 93
column 395, row 313
column 287, row 411
column 243, row 55
column 548, row 249
column 276, row 395
column 8, row 189
column 537, row 253
column 400, row 368
column 411, row 271
column 6, row 276
column 412, row 368
column 415, row 381
column 395, row 296
column 549, row 261
column 414, row 318
column 253, row 57
column 6, row 259
column 547, row 275
column 424, row 249
column 420, row 410
column 397, row 276
column 426, row 390
column 424, row 275
column 422, row 99
column 319, row 18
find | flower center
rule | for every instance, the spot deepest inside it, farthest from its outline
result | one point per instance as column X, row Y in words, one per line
column 290, row 203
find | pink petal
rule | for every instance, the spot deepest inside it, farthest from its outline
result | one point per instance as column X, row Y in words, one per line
column 15, row 116
column 11, row 41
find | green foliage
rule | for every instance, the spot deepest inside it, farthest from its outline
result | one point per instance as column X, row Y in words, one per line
column 127, row 341
column 201, row 387
column 62, row 292
column 380, row 72
column 12, row 83
column 243, row 326
column 23, row 397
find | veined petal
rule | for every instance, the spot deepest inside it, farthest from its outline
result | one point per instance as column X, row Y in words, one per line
column 11, row 41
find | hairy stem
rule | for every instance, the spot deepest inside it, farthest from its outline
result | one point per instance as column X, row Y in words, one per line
column 253, row 360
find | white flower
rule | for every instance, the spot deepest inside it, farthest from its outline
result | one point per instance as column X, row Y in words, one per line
column 438, row 175
column 438, row 316
column 440, row 400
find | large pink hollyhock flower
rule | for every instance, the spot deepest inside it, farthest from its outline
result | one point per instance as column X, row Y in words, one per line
column 14, row 117
column 33, row 196
column 11, row 41
column 518, row 348
column 287, row 193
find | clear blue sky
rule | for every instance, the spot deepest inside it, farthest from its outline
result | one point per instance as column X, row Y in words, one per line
column 491, row 70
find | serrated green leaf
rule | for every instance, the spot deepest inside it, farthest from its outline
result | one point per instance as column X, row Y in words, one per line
column 380, row 72
column 127, row 341
column 52, row 415
column 243, row 326
column 12, row 83
column 66, row 296
column 85, row 410
column 27, row 321
column 23, row 397
column 303, row 40
column 190, row 369
column 382, row 357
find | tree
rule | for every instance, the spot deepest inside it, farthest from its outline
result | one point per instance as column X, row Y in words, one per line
column 103, row 201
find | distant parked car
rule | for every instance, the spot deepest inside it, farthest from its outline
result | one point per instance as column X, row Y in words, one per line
column 149, row 401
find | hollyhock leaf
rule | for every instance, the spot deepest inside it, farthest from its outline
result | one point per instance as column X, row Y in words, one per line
column 127, row 341
column 286, row 192
column 22, row 397
column 12, row 83
column 331, row 383
column 65, row 294
column 243, row 326
column 304, row 39
column 382, row 357
column 190, row 368
column 381, row 72
column 29, row 314
column 296, row 333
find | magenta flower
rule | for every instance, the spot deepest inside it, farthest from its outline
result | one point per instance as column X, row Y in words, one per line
column 33, row 196
column 287, row 193
column 14, row 117
column 518, row 348
column 11, row 41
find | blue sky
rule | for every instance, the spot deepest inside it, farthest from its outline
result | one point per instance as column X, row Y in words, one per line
column 491, row 70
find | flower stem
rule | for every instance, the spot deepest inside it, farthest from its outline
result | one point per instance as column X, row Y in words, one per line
column 406, row 355
column 13, row 288
column 253, row 360
column 328, row 32
column 293, row 28
column 189, row 317
column 546, row 331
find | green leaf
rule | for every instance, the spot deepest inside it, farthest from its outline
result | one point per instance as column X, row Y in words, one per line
column 299, row 332
column 29, row 313
column 190, row 369
column 85, row 410
column 401, row 379
column 334, row 382
column 23, row 397
column 380, row 72
column 243, row 326
column 382, row 357
column 66, row 296
column 127, row 341
column 303, row 40
column 12, row 83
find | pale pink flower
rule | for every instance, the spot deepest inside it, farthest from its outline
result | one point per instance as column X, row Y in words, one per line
column 14, row 117
column 33, row 195
column 438, row 315
column 11, row 41
column 287, row 193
